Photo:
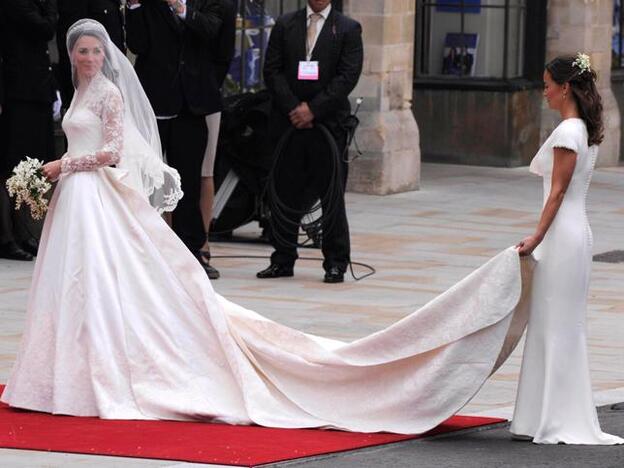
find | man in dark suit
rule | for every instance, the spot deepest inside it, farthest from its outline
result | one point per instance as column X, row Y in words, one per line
column 107, row 12
column 172, row 40
column 313, row 61
column 26, row 26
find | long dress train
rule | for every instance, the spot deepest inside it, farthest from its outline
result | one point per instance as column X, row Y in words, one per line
column 123, row 323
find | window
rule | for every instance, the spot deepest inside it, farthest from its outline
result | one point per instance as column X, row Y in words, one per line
column 479, row 39
column 617, row 43
column 253, row 27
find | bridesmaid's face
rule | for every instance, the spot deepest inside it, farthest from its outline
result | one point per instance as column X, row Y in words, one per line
column 553, row 92
column 88, row 56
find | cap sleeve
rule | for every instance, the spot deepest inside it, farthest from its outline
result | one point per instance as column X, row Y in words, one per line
column 568, row 136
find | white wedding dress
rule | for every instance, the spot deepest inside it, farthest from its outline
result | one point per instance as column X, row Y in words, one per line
column 123, row 323
column 555, row 402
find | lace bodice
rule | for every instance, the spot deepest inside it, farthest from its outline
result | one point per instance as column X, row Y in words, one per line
column 94, row 127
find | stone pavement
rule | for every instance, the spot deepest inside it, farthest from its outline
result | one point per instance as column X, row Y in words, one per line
column 487, row 448
column 420, row 243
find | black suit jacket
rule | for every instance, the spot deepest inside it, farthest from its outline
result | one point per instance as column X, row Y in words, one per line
column 107, row 12
column 338, row 50
column 26, row 26
column 1, row 79
column 174, row 59
column 223, row 49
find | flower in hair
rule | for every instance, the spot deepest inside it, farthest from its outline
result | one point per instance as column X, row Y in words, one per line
column 582, row 62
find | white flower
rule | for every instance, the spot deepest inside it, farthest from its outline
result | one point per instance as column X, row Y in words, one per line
column 582, row 62
column 29, row 185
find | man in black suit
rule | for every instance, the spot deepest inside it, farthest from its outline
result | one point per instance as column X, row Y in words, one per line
column 173, row 40
column 107, row 12
column 313, row 61
column 26, row 27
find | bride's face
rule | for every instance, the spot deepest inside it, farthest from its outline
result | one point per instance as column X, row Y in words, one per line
column 554, row 92
column 88, row 56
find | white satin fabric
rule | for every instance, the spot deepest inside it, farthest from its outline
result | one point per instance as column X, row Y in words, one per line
column 123, row 323
column 555, row 401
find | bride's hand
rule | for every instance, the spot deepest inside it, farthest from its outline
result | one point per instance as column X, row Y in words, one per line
column 527, row 245
column 52, row 170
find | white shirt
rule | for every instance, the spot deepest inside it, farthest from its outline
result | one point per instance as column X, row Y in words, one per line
column 320, row 23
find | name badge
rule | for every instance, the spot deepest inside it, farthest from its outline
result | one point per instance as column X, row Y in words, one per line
column 308, row 71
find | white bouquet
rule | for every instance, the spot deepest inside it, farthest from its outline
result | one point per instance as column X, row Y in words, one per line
column 29, row 185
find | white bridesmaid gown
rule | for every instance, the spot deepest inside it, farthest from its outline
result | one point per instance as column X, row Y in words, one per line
column 555, row 401
column 123, row 323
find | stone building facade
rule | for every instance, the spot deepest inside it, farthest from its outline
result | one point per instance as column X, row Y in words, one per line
column 413, row 111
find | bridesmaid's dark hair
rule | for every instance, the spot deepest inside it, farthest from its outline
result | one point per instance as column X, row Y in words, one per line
column 583, row 85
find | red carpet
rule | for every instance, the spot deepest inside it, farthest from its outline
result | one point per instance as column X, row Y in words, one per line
column 191, row 442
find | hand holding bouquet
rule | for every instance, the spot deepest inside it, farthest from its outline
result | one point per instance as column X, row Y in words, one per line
column 29, row 185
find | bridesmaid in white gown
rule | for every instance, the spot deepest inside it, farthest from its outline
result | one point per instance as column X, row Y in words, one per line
column 555, row 402
column 122, row 322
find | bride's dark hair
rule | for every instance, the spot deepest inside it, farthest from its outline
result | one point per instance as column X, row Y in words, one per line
column 583, row 85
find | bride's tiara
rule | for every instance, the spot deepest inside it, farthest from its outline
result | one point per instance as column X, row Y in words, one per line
column 582, row 63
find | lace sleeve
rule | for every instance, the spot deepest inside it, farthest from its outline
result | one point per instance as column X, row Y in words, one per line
column 111, row 112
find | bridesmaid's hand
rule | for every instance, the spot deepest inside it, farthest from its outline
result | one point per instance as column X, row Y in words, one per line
column 52, row 170
column 527, row 245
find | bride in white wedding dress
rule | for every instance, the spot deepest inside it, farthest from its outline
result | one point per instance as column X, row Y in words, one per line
column 122, row 322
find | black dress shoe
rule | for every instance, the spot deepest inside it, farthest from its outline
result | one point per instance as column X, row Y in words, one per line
column 204, row 258
column 12, row 251
column 334, row 275
column 275, row 271
column 31, row 246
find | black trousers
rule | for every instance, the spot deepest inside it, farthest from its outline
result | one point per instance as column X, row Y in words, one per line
column 26, row 129
column 305, row 170
column 183, row 140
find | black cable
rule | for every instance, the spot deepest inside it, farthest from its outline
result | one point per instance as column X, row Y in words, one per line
column 287, row 218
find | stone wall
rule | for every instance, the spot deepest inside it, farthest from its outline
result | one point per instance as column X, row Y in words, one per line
column 481, row 128
column 388, row 134
column 585, row 26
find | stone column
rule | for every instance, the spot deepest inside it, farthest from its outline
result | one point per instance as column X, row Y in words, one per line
column 388, row 134
column 586, row 26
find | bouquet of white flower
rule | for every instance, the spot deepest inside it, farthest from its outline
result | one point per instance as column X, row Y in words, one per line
column 29, row 185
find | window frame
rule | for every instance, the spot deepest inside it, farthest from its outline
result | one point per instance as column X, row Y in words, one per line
column 534, row 53
column 617, row 71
